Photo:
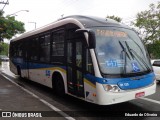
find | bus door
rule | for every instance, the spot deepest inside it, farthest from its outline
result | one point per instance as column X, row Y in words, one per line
column 75, row 68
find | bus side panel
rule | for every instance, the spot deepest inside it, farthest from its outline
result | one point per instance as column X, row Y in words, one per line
column 42, row 73
column 24, row 73
column 37, row 75
column 13, row 67
column 24, row 69
column 90, row 91
column 15, row 64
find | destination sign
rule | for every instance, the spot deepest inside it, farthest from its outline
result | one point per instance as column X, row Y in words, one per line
column 109, row 33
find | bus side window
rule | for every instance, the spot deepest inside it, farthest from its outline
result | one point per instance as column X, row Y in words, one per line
column 57, row 48
column 34, row 50
column 58, row 43
column 89, row 64
column 79, row 54
column 45, row 48
column 69, row 53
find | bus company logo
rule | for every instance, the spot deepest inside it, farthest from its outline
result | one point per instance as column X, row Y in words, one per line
column 6, row 114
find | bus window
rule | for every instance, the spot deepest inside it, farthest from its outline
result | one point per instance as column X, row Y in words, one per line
column 20, row 47
column 34, row 49
column 57, row 54
column 89, row 64
column 69, row 58
column 80, row 89
column 45, row 48
column 79, row 54
column 58, row 44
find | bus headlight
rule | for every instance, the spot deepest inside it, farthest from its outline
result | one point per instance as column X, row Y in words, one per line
column 111, row 88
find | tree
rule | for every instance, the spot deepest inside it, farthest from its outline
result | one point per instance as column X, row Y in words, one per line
column 4, row 47
column 9, row 27
column 148, row 23
column 118, row 19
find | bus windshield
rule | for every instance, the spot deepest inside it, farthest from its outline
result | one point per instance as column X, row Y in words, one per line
column 120, row 51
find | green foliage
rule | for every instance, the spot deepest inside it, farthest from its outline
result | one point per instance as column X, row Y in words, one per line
column 4, row 47
column 116, row 18
column 148, row 22
column 154, row 50
column 10, row 27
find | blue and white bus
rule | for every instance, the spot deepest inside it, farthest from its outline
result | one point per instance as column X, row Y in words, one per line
column 97, row 60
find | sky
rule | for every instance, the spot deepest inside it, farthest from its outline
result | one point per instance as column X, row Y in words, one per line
column 46, row 11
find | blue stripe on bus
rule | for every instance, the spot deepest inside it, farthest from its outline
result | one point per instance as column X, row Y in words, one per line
column 124, row 83
column 31, row 65
column 38, row 66
column 133, row 84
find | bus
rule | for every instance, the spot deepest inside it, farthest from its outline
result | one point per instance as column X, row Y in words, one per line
column 94, row 59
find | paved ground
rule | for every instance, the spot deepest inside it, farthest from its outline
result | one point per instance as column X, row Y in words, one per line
column 13, row 98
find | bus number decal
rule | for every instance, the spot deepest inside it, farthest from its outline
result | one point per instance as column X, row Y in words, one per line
column 114, row 63
column 111, row 63
column 124, row 84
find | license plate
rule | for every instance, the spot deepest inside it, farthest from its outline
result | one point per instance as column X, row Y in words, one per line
column 140, row 94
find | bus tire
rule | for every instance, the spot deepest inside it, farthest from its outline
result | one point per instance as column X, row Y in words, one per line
column 19, row 71
column 58, row 85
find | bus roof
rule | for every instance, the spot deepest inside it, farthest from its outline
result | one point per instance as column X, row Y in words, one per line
column 79, row 20
column 91, row 21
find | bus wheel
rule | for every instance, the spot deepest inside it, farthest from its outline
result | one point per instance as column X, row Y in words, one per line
column 59, row 86
column 19, row 71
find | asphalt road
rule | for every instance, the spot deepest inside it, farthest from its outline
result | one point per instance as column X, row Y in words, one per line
column 36, row 97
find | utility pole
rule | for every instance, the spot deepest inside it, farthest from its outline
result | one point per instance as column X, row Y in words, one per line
column 5, row 3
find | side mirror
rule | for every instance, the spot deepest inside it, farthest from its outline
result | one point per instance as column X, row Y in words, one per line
column 91, row 37
column 91, row 40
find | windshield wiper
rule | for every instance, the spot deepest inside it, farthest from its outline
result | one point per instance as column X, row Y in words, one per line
column 129, row 50
column 136, row 44
column 135, row 54
column 125, row 58
column 124, row 50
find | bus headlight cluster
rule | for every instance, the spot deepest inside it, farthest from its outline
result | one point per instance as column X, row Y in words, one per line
column 111, row 88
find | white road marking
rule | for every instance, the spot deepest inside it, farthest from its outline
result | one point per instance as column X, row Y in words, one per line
column 42, row 100
column 151, row 100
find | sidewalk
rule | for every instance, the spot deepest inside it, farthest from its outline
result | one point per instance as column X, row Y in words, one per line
column 13, row 98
